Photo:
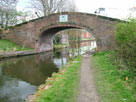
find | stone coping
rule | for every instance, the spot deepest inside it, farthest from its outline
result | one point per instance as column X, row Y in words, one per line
column 18, row 53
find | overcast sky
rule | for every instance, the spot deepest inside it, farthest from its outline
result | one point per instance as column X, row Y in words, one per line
column 113, row 8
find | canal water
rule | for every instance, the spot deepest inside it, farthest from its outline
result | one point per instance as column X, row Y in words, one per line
column 20, row 77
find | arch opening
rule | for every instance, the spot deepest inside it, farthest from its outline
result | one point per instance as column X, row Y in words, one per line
column 45, row 41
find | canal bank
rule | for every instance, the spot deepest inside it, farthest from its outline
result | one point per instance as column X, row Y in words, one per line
column 62, row 86
column 11, row 49
column 17, row 54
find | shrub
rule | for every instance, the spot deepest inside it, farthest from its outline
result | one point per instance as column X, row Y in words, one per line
column 125, row 40
column 57, row 39
column 1, row 30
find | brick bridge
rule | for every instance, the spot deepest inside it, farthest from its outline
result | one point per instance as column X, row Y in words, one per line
column 39, row 33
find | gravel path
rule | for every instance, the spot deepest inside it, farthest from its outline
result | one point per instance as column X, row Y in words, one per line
column 87, row 88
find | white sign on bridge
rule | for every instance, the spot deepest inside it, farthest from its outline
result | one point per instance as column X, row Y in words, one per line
column 63, row 18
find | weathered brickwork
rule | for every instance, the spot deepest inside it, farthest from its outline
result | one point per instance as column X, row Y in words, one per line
column 39, row 33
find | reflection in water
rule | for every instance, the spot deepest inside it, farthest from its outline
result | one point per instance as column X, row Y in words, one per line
column 20, row 77
column 12, row 89
column 61, row 57
column 60, row 62
column 35, row 68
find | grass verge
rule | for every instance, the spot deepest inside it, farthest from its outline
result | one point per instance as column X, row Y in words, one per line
column 59, row 46
column 111, row 86
column 62, row 86
column 7, row 46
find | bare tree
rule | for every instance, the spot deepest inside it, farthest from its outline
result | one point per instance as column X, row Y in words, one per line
column 72, row 7
column 7, row 12
column 47, row 7
column 7, row 3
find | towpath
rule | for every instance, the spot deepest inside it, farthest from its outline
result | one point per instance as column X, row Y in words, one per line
column 87, row 87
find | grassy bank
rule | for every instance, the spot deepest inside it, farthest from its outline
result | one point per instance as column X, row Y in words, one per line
column 62, row 86
column 7, row 46
column 111, row 83
column 59, row 46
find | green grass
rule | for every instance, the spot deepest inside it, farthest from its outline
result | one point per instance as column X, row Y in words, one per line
column 59, row 46
column 7, row 46
column 110, row 85
column 65, row 88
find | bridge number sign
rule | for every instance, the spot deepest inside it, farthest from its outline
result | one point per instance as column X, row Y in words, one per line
column 63, row 18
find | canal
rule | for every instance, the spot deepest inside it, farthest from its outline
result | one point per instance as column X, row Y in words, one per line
column 20, row 77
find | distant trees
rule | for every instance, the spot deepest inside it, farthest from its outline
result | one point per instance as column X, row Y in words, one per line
column 7, row 3
column 72, row 7
column 9, row 16
column 46, row 7
column 8, row 13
